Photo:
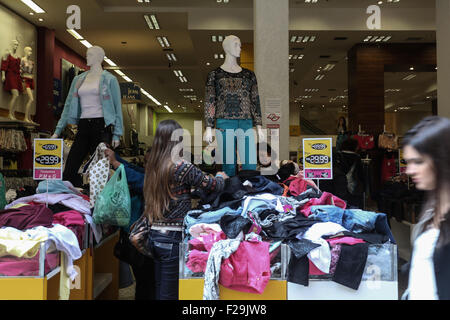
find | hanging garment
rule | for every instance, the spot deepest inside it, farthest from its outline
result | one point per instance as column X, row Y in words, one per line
column 97, row 169
column 321, row 256
column 69, row 200
column 220, row 250
column 2, row 192
column 365, row 142
column 13, row 81
column 26, row 217
column 388, row 167
column 388, row 141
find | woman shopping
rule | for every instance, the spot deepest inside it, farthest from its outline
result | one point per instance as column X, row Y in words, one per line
column 167, row 192
column 427, row 153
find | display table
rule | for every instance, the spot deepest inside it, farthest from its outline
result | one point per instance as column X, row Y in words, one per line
column 98, row 278
column 379, row 281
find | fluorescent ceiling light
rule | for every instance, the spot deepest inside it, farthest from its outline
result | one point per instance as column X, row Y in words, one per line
column 110, row 62
column 120, row 73
column 411, row 76
column 168, row 109
column 127, row 79
column 86, row 44
column 329, row 67
column 152, row 22
column 75, row 34
column 319, row 77
column 174, row 58
column 166, row 42
column 33, row 6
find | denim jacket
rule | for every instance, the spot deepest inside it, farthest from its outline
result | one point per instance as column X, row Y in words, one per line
column 110, row 98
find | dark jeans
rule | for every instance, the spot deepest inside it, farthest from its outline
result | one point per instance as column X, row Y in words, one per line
column 165, row 250
column 91, row 132
column 145, row 280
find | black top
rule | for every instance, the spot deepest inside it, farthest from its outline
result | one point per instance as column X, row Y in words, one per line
column 232, row 96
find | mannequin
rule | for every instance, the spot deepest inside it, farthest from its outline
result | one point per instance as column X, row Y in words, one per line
column 12, row 82
column 232, row 107
column 94, row 104
column 27, row 68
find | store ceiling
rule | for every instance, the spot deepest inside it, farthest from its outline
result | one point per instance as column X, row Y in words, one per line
column 134, row 48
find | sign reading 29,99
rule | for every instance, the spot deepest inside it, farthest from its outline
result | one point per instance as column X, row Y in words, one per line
column 48, row 159
column 318, row 158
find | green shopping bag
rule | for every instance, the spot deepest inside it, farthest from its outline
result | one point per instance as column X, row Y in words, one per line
column 2, row 192
column 113, row 205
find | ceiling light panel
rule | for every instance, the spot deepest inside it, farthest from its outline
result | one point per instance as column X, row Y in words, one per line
column 215, row 38
column 163, row 41
column 303, row 39
column 33, row 6
column 377, row 38
column 152, row 21
column 75, row 34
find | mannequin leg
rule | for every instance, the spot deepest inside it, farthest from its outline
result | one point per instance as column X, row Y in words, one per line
column 228, row 145
column 28, row 105
column 247, row 145
column 78, row 152
column 12, row 103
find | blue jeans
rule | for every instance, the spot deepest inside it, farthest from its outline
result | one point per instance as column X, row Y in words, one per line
column 246, row 145
column 165, row 249
column 209, row 217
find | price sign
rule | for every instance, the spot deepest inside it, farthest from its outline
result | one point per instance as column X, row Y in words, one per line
column 48, row 159
column 318, row 158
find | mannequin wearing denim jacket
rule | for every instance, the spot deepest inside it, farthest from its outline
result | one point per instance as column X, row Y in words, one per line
column 91, row 131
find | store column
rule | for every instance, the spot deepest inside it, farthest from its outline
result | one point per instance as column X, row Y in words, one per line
column 443, row 56
column 271, row 38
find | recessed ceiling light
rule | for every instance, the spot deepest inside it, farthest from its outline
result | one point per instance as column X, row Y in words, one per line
column 152, row 22
column 40, row 19
column 208, row 64
column 31, row 13
column 411, row 68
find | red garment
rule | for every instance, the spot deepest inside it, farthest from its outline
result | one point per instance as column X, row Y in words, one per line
column 11, row 66
column 27, row 217
column 344, row 240
column 28, row 83
column 73, row 220
column 13, row 266
column 297, row 186
column 325, row 199
column 247, row 269
column 388, row 169
column 365, row 142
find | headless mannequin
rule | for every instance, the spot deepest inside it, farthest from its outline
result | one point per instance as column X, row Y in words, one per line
column 94, row 57
column 232, row 48
column 14, row 92
column 28, row 52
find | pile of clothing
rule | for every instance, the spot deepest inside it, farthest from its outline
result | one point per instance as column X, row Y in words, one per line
column 57, row 220
column 232, row 237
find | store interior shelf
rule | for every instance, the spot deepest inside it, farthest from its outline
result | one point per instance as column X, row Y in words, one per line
column 101, row 282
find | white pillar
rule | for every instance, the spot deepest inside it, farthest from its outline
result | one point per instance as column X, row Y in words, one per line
column 443, row 56
column 271, row 39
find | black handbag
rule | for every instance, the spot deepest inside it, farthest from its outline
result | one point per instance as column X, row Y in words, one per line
column 126, row 252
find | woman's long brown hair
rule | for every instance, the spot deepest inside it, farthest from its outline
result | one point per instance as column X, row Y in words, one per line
column 159, row 171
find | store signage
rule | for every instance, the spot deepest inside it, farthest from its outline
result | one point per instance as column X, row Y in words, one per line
column 318, row 158
column 48, row 159
column 402, row 163
column 130, row 91
column 273, row 113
